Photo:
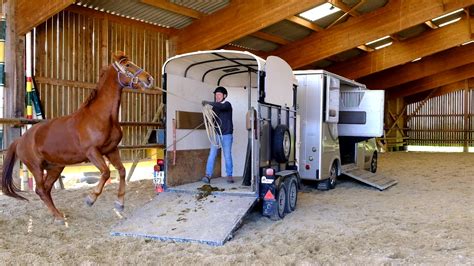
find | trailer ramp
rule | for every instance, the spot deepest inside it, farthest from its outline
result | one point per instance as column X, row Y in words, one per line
column 182, row 217
column 375, row 180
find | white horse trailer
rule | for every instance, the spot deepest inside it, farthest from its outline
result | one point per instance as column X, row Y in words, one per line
column 263, row 95
column 339, row 119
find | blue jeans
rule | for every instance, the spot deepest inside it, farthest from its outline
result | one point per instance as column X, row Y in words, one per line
column 226, row 141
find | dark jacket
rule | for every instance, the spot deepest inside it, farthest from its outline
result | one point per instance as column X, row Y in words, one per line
column 224, row 111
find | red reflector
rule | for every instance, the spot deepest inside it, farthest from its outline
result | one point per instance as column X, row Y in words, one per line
column 269, row 171
column 307, row 167
column 159, row 189
column 269, row 195
column 156, row 168
column 160, row 162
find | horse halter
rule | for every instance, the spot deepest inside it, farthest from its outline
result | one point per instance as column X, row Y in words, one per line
column 133, row 76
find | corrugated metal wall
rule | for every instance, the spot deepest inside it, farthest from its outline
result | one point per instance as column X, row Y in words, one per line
column 70, row 50
column 446, row 120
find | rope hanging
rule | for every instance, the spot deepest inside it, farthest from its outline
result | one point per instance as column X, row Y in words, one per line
column 211, row 122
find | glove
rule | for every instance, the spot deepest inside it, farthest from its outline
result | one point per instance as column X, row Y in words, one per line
column 205, row 102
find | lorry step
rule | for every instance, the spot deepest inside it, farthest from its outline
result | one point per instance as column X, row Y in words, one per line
column 375, row 180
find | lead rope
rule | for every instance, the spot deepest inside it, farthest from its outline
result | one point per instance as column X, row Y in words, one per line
column 211, row 121
column 213, row 129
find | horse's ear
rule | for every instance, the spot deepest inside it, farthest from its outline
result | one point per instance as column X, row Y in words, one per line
column 119, row 55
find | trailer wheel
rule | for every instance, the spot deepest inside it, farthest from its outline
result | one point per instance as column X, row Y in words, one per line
column 373, row 163
column 281, row 203
column 330, row 182
column 281, row 144
column 292, row 195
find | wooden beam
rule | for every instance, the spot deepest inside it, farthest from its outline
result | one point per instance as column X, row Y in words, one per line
column 30, row 14
column 114, row 18
column 270, row 37
column 167, row 5
column 347, row 13
column 365, row 48
column 403, row 52
column 303, row 22
column 430, row 65
column 238, row 19
column 352, row 11
column 262, row 54
column 430, row 24
column 421, row 103
column 428, row 83
column 455, row 86
column 395, row 17
column 342, row 6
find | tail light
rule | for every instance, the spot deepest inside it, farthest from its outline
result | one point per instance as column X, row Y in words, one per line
column 270, row 172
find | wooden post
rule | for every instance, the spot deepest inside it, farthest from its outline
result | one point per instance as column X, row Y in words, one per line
column 395, row 118
column 104, row 45
column 466, row 116
column 15, row 89
column 14, row 93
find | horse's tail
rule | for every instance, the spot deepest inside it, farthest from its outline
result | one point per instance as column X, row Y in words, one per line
column 8, row 188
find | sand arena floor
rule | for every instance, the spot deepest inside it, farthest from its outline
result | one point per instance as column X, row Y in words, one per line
column 427, row 218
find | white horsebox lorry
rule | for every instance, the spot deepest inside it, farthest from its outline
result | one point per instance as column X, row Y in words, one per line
column 339, row 119
column 281, row 132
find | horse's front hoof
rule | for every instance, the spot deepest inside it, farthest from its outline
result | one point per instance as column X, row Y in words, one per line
column 88, row 200
column 59, row 221
column 119, row 206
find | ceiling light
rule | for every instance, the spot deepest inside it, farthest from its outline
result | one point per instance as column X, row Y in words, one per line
column 416, row 59
column 320, row 11
column 443, row 16
column 449, row 22
column 466, row 43
column 383, row 45
column 378, row 40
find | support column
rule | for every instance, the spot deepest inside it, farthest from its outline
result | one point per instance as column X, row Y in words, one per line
column 395, row 123
column 466, row 116
column 14, row 92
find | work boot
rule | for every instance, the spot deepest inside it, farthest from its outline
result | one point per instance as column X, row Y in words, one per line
column 206, row 179
column 230, row 180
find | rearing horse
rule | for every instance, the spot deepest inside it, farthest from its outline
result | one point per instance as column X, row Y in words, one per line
column 88, row 134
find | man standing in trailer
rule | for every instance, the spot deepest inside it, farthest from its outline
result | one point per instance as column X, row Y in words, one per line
column 223, row 110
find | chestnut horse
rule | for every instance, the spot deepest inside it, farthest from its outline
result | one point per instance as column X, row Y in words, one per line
column 88, row 134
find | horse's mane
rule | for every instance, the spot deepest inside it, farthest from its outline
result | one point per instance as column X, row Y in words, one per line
column 95, row 91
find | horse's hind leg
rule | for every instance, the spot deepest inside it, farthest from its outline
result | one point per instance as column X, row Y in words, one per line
column 114, row 158
column 96, row 158
column 51, row 177
column 43, row 189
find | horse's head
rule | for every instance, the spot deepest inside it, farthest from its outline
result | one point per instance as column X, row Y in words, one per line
column 129, row 74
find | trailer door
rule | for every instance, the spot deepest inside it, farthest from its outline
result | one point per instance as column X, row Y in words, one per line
column 361, row 113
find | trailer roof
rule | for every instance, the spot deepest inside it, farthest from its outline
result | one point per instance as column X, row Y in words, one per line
column 217, row 67
column 320, row 71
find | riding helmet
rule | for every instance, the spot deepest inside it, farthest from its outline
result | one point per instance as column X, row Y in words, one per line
column 221, row 90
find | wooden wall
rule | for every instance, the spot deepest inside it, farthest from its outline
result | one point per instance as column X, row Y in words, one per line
column 446, row 120
column 73, row 46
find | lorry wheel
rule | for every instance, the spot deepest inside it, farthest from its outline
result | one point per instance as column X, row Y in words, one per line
column 281, row 203
column 332, row 179
column 373, row 163
column 281, row 144
column 292, row 195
